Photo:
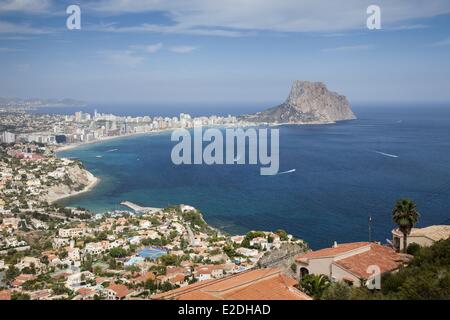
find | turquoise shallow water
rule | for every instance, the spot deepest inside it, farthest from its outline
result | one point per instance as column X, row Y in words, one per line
column 344, row 173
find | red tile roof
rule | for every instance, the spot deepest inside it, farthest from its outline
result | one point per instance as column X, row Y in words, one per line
column 144, row 277
column 85, row 291
column 331, row 252
column 177, row 278
column 383, row 257
column 120, row 290
column 174, row 270
column 259, row 284
column 100, row 280
column 5, row 295
column 22, row 278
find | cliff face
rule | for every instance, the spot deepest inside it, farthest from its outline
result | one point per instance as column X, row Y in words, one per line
column 308, row 103
column 80, row 180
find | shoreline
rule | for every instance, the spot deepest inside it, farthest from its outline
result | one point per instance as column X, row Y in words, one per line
column 105, row 139
column 92, row 184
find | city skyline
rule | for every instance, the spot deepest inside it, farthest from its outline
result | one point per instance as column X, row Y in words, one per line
column 202, row 52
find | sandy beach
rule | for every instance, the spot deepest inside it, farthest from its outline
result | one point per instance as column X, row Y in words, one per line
column 103, row 139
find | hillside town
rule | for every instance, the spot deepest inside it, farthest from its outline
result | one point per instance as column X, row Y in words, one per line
column 122, row 255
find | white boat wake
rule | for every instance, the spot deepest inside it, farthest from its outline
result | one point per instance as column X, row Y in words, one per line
column 98, row 156
column 386, row 154
column 112, row 150
column 284, row 172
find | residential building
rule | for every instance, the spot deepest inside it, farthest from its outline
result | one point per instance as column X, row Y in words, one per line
column 30, row 262
column 8, row 137
column 259, row 284
column 247, row 252
column 72, row 233
column 207, row 272
column 424, row 237
column 354, row 263
column 5, row 295
column 116, row 292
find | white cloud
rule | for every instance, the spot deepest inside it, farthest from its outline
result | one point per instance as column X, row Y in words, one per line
column 152, row 48
column 410, row 27
column 236, row 17
column 172, row 29
column 28, row 6
column 348, row 48
column 14, row 28
column 445, row 42
column 182, row 49
column 122, row 57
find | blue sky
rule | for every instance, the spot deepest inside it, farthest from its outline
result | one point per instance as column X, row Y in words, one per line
column 202, row 51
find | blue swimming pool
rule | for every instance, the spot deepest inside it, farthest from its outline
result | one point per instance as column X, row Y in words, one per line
column 152, row 253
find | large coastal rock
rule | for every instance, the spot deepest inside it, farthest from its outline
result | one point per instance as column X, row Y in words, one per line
column 79, row 181
column 308, row 103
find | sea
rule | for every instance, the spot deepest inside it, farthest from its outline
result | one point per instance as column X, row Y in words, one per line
column 335, row 177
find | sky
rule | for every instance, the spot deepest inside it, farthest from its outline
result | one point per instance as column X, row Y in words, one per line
column 227, row 51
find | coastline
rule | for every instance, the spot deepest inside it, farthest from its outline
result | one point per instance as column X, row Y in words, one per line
column 93, row 181
column 105, row 139
column 53, row 198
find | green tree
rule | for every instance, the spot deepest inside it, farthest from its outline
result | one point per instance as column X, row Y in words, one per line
column 282, row 234
column 427, row 276
column 405, row 215
column 337, row 291
column 11, row 273
column 118, row 252
column 150, row 285
column 20, row 296
column 294, row 267
column 413, row 249
column 315, row 285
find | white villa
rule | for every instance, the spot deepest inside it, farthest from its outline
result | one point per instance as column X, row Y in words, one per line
column 422, row 236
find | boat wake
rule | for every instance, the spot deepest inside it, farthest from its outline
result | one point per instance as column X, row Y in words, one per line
column 112, row 150
column 98, row 156
column 386, row 154
column 284, row 172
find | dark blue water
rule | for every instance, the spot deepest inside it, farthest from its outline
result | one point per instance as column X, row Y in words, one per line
column 339, row 180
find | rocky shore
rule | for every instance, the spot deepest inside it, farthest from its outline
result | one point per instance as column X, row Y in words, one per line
column 84, row 181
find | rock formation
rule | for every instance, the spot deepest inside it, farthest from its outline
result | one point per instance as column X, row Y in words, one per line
column 308, row 103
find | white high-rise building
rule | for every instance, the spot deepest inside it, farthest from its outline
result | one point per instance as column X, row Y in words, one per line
column 8, row 137
column 78, row 116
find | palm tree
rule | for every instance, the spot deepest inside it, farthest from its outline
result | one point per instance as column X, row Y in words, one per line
column 314, row 285
column 405, row 215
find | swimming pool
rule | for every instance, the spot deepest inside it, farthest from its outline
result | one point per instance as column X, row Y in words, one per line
column 152, row 252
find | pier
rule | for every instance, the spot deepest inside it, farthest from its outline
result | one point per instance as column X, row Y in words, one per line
column 138, row 208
